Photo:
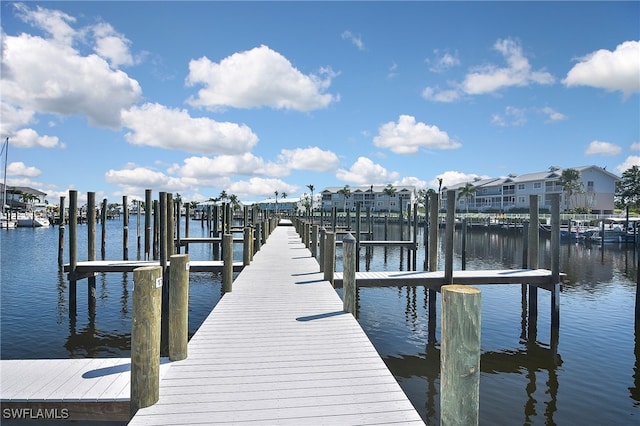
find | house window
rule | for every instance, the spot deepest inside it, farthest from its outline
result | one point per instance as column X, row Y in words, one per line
column 521, row 187
column 537, row 185
column 590, row 186
column 520, row 200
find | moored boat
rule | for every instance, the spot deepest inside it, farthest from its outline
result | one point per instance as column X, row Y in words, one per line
column 32, row 220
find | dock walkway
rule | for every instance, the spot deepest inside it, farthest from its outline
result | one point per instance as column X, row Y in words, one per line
column 279, row 349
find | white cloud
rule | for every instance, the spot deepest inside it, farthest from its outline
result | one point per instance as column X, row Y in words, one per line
column 553, row 115
column 393, row 70
column 512, row 117
column 407, row 136
column 365, row 172
column 635, row 146
column 229, row 165
column 613, row 71
column 632, row 160
column 602, row 148
column 452, row 177
column 443, row 61
column 411, row 181
column 136, row 180
column 492, row 78
column 112, row 46
column 356, row 40
column 29, row 138
column 20, row 169
column 311, row 158
column 48, row 75
column 438, row 95
column 260, row 187
column 255, row 78
column 13, row 117
column 156, row 125
column 54, row 22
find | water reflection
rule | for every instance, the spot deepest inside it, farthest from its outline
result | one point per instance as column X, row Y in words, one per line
column 635, row 389
column 593, row 271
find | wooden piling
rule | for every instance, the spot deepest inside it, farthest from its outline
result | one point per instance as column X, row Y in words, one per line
column 156, row 228
column 187, row 218
column 349, row 274
column 227, row 257
column 91, row 250
column 534, row 246
column 358, row 236
column 163, row 232
column 433, row 232
column 321, row 240
column 60, row 233
column 148, row 241
column 171, row 223
column 464, row 244
column 555, row 261
column 246, row 246
column 330, row 256
column 314, row 240
column 162, row 242
column 257, row 237
column 103, row 235
column 73, row 249
column 125, row 228
column 414, row 237
column 138, row 235
column 178, row 306
column 433, row 263
column 145, row 337
column 448, row 240
column 178, row 219
column 460, row 355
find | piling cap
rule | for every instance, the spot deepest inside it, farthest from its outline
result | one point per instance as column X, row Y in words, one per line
column 348, row 238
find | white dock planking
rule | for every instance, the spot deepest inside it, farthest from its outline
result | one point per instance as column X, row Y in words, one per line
column 69, row 389
column 279, row 349
column 542, row 278
column 96, row 266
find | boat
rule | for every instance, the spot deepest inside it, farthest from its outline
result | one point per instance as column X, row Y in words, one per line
column 26, row 220
column 612, row 236
column 6, row 222
column 35, row 218
column 616, row 230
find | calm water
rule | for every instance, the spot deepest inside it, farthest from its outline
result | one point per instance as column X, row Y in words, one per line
column 592, row 378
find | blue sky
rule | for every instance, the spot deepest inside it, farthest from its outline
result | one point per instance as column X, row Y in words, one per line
column 257, row 97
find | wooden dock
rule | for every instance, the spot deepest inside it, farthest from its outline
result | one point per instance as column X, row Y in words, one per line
column 279, row 349
column 542, row 278
column 94, row 389
column 95, row 266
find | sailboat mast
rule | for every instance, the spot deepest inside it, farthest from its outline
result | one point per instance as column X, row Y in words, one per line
column 4, row 181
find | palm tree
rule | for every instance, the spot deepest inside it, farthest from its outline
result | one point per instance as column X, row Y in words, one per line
column 28, row 198
column 311, row 188
column 346, row 193
column 439, row 191
column 467, row 191
column 235, row 203
column 389, row 191
column 284, row 195
column 570, row 181
column 276, row 192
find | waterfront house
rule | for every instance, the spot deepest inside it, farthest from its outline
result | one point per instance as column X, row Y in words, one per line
column 380, row 198
column 513, row 192
column 15, row 197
